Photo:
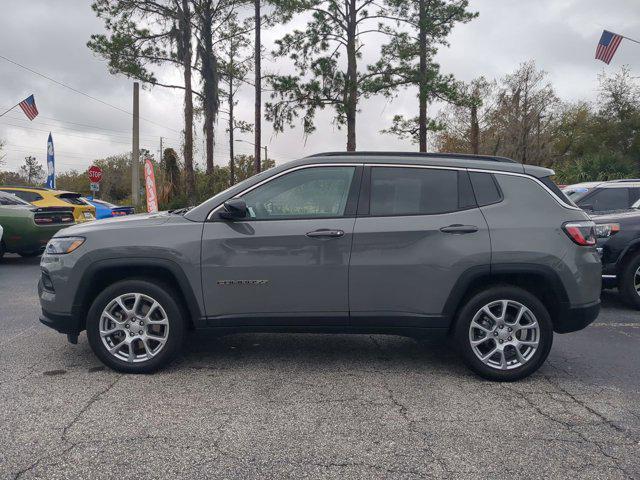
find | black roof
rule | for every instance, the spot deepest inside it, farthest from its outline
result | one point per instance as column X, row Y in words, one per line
column 457, row 156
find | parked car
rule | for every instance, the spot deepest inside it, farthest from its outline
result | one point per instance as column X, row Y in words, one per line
column 604, row 196
column 108, row 210
column 619, row 246
column 27, row 229
column 483, row 249
column 44, row 197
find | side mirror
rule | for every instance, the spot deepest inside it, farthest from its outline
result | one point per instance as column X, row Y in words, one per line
column 233, row 209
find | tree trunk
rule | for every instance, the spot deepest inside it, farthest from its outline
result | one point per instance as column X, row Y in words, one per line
column 232, row 169
column 351, row 103
column 210, row 77
column 422, row 83
column 188, row 102
column 258, row 90
column 475, row 130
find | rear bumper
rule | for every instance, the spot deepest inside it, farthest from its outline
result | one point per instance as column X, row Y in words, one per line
column 572, row 319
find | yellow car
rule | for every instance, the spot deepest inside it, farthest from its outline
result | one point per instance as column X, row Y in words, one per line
column 44, row 197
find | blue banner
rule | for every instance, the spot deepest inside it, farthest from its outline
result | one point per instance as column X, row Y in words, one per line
column 51, row 164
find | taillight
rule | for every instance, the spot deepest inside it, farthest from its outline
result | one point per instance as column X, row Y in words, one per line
column 118, row 214
column 43, row 220
column 606, row 230
column 582, row 233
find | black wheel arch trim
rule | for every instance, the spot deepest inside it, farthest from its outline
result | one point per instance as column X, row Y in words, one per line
column 471, row 275
column 191, row 302
column 633, row 245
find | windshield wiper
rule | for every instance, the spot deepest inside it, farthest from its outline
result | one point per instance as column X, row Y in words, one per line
column 180, row 211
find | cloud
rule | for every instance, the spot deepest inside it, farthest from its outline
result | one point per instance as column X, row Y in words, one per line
column 559, row 34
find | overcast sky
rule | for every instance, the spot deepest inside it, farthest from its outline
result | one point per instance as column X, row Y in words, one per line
column 50, row 37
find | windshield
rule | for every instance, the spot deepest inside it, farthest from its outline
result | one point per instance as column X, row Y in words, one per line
column 10, row 199
column 576, row 193
column 105, row 204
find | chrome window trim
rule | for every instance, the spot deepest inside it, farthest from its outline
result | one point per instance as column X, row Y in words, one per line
column 403, row 165
column 536, row 180
column 293, row 169
column 480, row 170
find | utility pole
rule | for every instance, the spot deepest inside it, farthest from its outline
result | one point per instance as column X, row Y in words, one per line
column 257, row 147
column 161, row 154
column 135, row 150
column 258, row 88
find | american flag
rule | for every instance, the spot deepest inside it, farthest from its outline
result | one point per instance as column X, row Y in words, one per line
column 607, row 46
column 28, row 106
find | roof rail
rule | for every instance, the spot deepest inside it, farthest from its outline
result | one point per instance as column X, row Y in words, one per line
column 622, row 180
column 456, row 156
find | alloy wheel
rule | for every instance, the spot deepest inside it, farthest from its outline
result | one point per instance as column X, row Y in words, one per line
column 134, row 327
column 636, row 280
column 504, row 334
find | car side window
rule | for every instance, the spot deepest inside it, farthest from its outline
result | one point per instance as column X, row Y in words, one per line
column 415, row 191
column 607, row 199
column 314, row 192
column 26, row 196
column 485, row 188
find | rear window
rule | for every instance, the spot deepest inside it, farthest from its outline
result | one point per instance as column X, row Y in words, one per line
column 72, row 198
column 9, row 199
column 417, row 191
column 485, row 188
column 26, row 196
column 550, row 184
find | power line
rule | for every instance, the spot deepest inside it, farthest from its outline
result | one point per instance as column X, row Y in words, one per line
column 82, row 93
column 121, row 133
column 70, row 135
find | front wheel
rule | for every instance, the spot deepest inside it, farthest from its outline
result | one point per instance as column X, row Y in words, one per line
column 504, row 333
column 135, row 326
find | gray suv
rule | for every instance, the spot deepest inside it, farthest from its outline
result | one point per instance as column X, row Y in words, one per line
column 482, row 249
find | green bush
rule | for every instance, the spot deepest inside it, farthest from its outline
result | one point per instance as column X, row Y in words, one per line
column 595, row 167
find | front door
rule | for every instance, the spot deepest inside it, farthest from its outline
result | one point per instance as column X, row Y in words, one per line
column 419, row 231
column 287, row 262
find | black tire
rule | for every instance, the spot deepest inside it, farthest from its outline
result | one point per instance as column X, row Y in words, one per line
column 626, row 284
column 503, row 292
column 35, row 253
column 2, row 250
column 159, row 292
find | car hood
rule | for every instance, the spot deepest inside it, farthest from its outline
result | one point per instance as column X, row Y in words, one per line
column 615, row 216
column 124, row 222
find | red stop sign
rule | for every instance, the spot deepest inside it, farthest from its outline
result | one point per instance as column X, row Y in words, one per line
column 95, row 174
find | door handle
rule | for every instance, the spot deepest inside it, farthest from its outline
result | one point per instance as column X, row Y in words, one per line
column 458, row 229
column 325, row 233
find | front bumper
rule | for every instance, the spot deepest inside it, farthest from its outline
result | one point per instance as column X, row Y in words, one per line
column 61, row 323
column 572, row 319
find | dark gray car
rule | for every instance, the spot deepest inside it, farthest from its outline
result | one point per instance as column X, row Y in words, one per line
column 483, row 249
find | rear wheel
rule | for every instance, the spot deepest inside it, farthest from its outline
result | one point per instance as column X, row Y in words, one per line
column 135, row 326
column 629, row 282
column 504, row 333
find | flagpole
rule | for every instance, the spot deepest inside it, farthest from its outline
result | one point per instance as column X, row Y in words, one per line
column 636, row 41
column 7, row 111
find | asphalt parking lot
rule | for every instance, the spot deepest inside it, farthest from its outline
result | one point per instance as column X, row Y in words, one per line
column 312, row 406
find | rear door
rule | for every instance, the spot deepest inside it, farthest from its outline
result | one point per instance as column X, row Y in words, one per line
column 287, row 263
column 418, row 230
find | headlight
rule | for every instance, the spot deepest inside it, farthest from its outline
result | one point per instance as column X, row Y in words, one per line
column 606, row 230
column 62, row 245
